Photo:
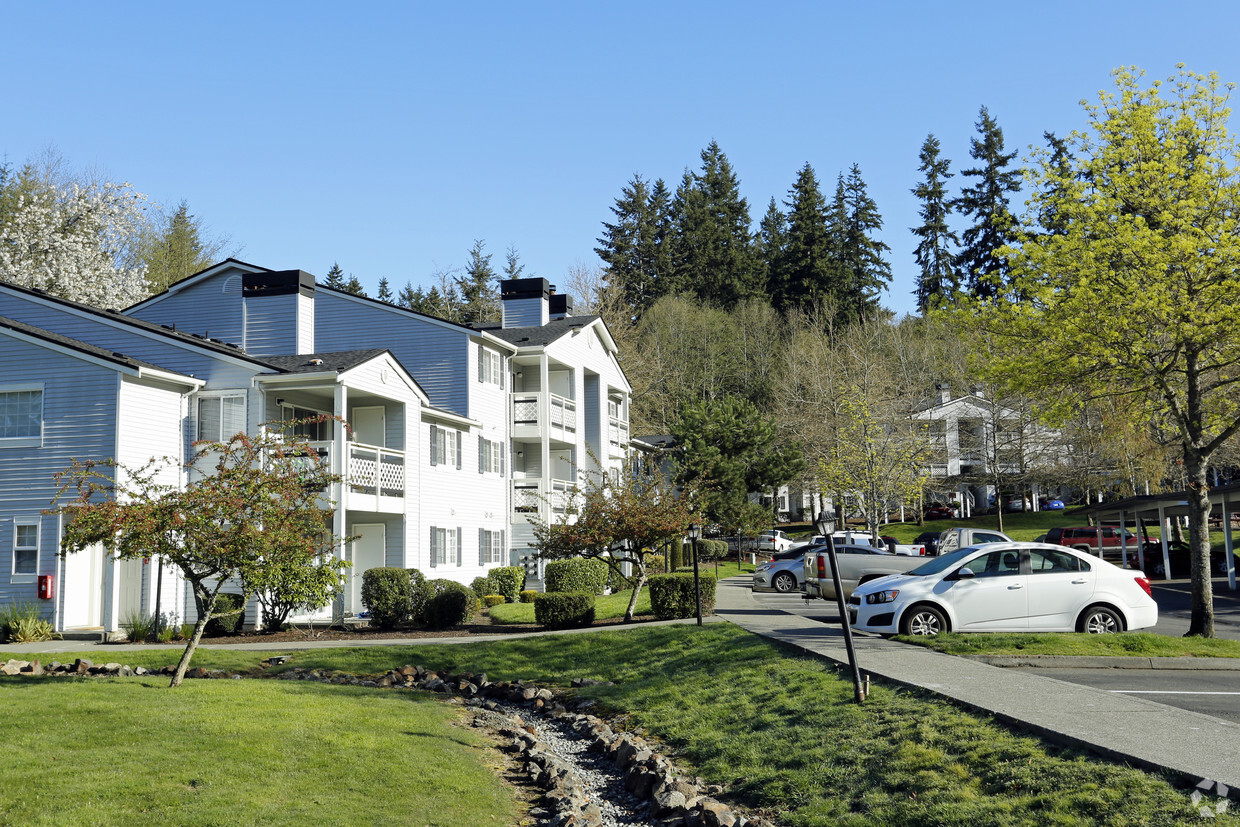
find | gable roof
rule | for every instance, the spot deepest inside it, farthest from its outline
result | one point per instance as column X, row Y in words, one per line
column 96, row 353
column 201, row 275
column 338, row 361
column 540, row 336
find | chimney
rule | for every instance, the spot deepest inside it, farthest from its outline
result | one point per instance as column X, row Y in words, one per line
column 525, row 302
column 945, row 394
column 560, row 306
column 279, row 312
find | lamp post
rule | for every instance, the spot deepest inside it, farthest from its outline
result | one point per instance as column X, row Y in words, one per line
column 823, row 523
column 695, row 531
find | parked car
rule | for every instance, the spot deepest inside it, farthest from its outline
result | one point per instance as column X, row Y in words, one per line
column 1036, row 587
column 956, row 538
column 783, row 572
column 930, row 540
column 772, row 541
column 858, row 564
column 938, row 511
column 1050, row 505
column 1016, row 502
column 1085, row 538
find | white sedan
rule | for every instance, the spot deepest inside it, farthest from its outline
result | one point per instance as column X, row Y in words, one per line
column 1006, row 587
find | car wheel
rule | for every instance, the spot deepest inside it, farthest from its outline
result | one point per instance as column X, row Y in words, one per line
column 784, row 582
column 923, row 621
column 1099, row 620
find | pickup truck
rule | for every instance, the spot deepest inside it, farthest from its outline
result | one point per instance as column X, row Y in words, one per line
column 858, row 564
column 957, row 538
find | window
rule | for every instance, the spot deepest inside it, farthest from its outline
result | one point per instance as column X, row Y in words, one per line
column 26, row 548
column 1043, row 561
column 996, row 564
column 490, row 457
column 445, row 446
column 21, row 417
column 490, row 547
column 221, row 417
column 445, row 543
column 319, row 431
column 490, row 367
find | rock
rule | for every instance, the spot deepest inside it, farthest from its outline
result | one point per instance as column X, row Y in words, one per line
column 141, row 670
column 13, row 667
column 669, row 802
column 81, row 666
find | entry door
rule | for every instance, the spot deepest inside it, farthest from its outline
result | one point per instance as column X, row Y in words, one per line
column 368, row 425
column 83, row 595
column 367, row 553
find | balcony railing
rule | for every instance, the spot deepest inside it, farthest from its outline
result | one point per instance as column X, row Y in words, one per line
column 525, row 411
column 532, row 496
column 618, row 434
column 369, row 469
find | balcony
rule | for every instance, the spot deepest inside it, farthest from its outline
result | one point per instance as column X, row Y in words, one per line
column 534, row 497
column 374, row 477
column 559, row 419
column 617, row 436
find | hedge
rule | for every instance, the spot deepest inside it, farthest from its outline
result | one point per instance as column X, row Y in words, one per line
column 494, row 600
column 671, row 595
column 528, row 595
column 564, row 610
column 447, row 603
column 676, row 557
column 508, row 581
column 229, row 624
column 481, row 587
column 388, row 594
column 417, row 597
column 577, row 574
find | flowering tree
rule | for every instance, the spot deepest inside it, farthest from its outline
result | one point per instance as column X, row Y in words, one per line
column 619, row 518
column 72, row 240
column 251, row 516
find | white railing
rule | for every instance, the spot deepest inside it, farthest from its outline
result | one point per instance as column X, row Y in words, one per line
column 531, row 496
column 618, row 433
column 375, row 470
column 563, row 411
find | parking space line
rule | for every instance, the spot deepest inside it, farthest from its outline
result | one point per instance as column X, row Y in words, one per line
column 1166, row 692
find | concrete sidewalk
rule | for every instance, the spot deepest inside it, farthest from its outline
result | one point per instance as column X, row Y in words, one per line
column 1118, row 726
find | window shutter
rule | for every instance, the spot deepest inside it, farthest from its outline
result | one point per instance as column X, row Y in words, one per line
column 503, row 457
column 434, row 444
column 482, row 467
column 481, row 356
column 503, row 549
column 503, row 369
column 434, row 547
column 482, row 547
column 459, row 437
column 460, row 558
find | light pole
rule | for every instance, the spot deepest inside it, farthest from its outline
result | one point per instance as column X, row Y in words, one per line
column 695, row 531
column 823, row 523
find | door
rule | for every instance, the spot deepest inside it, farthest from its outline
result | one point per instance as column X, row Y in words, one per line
column 367, row 551
column 1060, row 586
column 83, row 588
column 369, row 426
column 994, row 598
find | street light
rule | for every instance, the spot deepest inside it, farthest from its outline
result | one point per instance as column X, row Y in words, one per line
column 823, row 523
column 695, row 531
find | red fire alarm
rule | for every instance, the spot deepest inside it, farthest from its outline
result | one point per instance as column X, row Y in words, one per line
column 45, row 587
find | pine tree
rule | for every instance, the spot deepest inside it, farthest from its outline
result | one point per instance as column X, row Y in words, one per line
column 635, row 247
column 1061, row 161
column 808, row 271
column 866, row 273
column 408, row 297
column 772, row 235
column 354, row 286
column 335, row 277
column 937, row 278
column 176, row 252
column 385, row 292
column 712, row 251
column 513, row 268
column 477, row 291
column 986, row 201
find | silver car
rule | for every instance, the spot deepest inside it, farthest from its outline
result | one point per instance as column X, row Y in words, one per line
column 783, row 573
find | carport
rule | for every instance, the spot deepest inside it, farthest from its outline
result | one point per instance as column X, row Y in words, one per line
column 1141, row 511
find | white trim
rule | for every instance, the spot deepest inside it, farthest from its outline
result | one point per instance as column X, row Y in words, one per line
column 25, row 577
column 447, row 416
column 65, row 350
column 26, row 441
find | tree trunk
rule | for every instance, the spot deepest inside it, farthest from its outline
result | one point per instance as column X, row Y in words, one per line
column 637, row 590
column 1202, row 619
column 204, row 614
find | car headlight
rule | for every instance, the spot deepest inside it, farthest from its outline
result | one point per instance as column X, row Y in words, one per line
column 882, row 597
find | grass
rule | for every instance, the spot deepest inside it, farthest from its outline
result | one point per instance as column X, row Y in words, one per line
column 126, row 751
column 1139, row 644
column 776, row 728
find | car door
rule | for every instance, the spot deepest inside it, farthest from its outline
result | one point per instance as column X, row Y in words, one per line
column 994, row 599
column 1060, row 586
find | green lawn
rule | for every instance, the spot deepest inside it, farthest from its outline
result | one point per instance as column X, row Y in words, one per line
column 777, row 728
column 130, row 751
column 1140, row 644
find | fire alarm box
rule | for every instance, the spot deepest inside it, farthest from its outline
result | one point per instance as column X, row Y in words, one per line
column 45, row 587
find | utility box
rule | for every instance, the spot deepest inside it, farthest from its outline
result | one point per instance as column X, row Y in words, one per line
column 45, row 587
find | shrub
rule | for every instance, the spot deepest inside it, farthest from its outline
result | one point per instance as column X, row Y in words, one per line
column 617, row 582
column 234, row 605
column 528, row 595
column 654, row 562
column 482, row 587
column 24, row 623
column 676, row 558
column 387, row 593
column 508, row 581
column 138, row 626
column 494, row 600
column 712, row 550
column 576, row 574
column 671, row 595
column 448, row 603
column 564, row 610
column 417, row 595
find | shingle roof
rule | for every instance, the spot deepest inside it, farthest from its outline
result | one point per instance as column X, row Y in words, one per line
column 80, row 346
column 539, row 336
column 338, row 361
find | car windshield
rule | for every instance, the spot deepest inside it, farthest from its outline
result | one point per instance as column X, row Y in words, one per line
column 938, row 565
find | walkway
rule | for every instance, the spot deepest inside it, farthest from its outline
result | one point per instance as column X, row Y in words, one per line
column 1118, row 726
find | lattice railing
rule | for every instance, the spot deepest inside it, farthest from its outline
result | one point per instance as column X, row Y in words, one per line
column 375, row 470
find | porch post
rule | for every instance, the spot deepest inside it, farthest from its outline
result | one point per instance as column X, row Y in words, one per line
column 1163, row 529
column 1123, row 539
column 340, row 445
column 1231, row 558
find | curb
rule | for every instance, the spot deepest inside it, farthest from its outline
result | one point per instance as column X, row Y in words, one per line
column 1103, row 662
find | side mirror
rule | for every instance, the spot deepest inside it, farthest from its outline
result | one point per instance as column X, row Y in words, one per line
column 962, row 573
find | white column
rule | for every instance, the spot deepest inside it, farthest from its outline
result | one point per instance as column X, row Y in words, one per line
column 340, row 465
column 1231, row 558
column 1123, row 539
column 1164, row 530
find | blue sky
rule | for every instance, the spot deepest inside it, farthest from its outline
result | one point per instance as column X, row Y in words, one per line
column 389, row 136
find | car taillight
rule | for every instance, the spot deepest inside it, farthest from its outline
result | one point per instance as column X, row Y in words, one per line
column 921, row 551
column 822, row 567
column 1145, row 584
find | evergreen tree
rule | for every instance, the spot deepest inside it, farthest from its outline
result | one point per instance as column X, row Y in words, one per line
column 772, row 235
column 712, row 251
column 937, row 278
column 1061, row 160
column 385, row 292
column 477, row 290
column 513, row 268
column 865, row 272
column 335, row 277
column 354, row 286
column 177, row 251
column 634, row 248
column 408, row 297
column 808, row 271
column 987, row 202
